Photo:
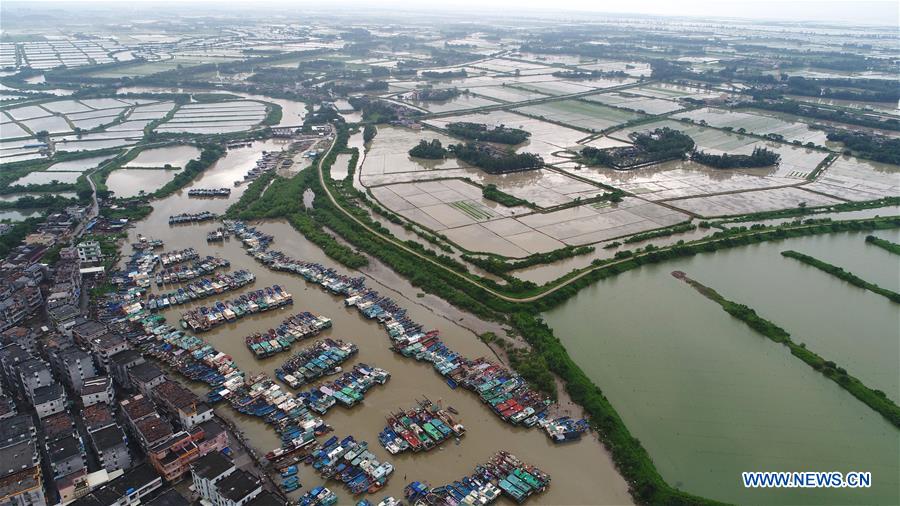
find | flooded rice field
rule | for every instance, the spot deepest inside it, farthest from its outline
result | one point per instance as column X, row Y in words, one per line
column 710, row 398
column 176, row 156
column 571, row 466
column 80, row 165
column 44, row 177
column 125, row 183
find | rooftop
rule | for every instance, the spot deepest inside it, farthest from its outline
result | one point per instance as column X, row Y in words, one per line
column 168, row 498
column 17, row 457
column 95, row 385
column 137, row 478
column 108, row 437
column 137, row 407
column 58, row 426
column 145, row 372
column 175, row 394
column 266, row 498
column 239, row 485
column 211, row 429
column 49, row 393
column 64, row 448
column 212, row 465
column 125, row 357
column 97, row 416
column 15, row 429
column 89, row 328
column 154, row 428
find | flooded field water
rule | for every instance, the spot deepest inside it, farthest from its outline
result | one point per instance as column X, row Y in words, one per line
column 710, row 398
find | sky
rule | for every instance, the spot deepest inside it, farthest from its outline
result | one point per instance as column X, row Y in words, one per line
column 875, row 12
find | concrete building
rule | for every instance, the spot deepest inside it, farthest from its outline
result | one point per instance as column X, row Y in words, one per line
column 173, row 457
column 209, row 470
column 144, row 377
column 111, row 447
column 97, row 389
column 239, row 489
column 34, row 374
column 182, row 404
column 73, row 365
column 49, row 400
column 86, row 331
column 66, row 456
column 121, row 363
column 97, row 416
column 126, row 490
column 89, row 252
column 22, row 336
column 21, row 482
column 11, row 356
column 104, row 347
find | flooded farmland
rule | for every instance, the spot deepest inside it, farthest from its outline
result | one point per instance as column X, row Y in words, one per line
column 571, row 466
column 710, row 398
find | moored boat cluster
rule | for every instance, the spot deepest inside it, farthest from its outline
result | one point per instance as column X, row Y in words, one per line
column 191, row 218
column 200, row 289
column 209, row 192
column 207, row 318
column 310, row 364
column 507, row 393
column 292, row 329
column 348, row 390
column 351, row 463
column 504, row 473
column 197, row 268
column 421, row 428
column 175, row 257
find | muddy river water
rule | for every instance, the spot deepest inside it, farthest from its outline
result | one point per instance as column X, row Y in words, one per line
column 582, row 473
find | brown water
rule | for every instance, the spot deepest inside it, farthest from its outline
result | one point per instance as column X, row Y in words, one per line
column 582, row 473
column 710, row 398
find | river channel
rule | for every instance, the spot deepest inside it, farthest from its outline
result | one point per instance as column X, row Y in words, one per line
column 582, row 473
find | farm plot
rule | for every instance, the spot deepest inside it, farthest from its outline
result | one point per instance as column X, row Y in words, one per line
column 508, row 93
column 759, row 124
column 389, row 152
column 52, row 124
column 638, row 103
column 589, row 224
column 752, row 202
column 80, row 165
column 218, row 117
column 796, row 162
column 176, row 156
column 43, row 177
column 675, row 91
column 510, row 66
column 462, row 102
column 634, row 69
column 581, row 114
column 567, row 87
column 10, row 130
column 546, row 138
column 677, row 179
column 853, row 178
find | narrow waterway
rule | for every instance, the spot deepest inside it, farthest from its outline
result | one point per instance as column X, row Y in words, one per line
column 582, row 472
column 710, row 398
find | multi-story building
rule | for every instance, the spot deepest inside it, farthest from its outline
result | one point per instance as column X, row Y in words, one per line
column 49, row 400
column 239, row 489
column 173, row 457
column 21, row 482
column 97, row 416
column 121, row 363
column 105, row 346
column 73, row 365
column 97, row 389
column 209, row 470
column 152, row 430
column 89, row 252
column 143, row 377
column 86, row 331
column 11, row 356
column 34, row 374
column 66, row 455
column 181, row 403
column 129, row 489
column 22, row 336
column 111, row 447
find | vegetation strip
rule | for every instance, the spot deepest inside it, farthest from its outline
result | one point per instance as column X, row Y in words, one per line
column 838, row 272
column 875, row 399
column 884, row 244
